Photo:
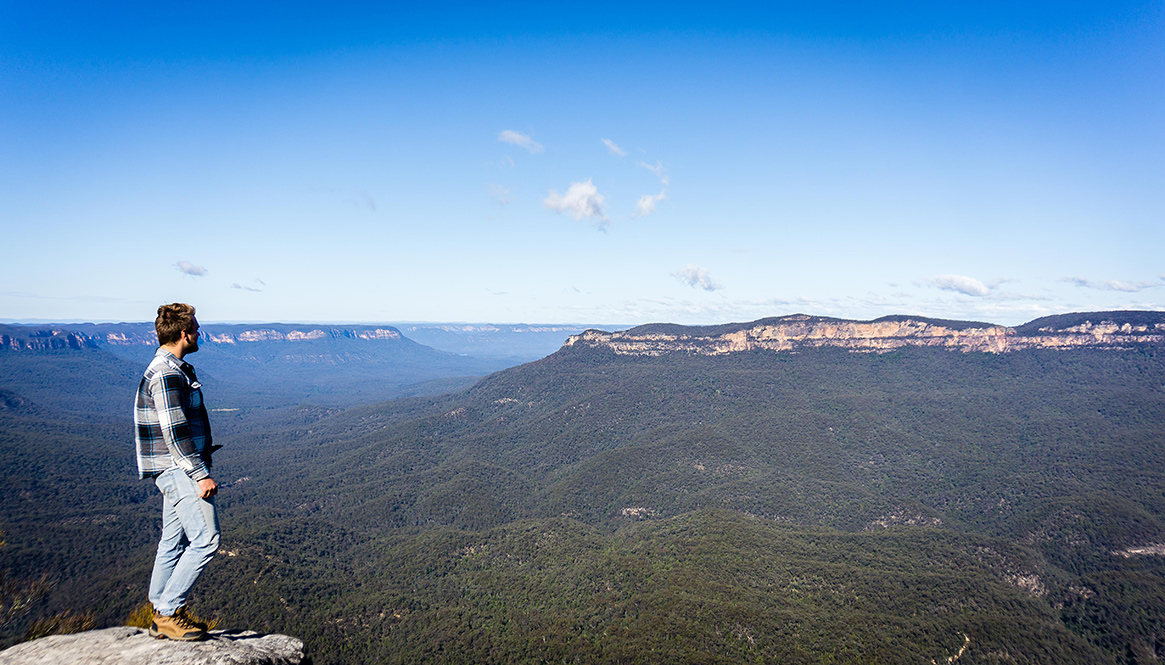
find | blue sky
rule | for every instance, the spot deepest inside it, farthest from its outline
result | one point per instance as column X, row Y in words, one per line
column 585, row 163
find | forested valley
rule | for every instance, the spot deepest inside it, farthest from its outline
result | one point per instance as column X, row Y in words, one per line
column 821, row 506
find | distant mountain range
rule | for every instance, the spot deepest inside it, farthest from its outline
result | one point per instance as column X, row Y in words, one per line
column 1116, row 329
column 276, row 364
column 261, row 365
column 1093, row 330
column 509, row 342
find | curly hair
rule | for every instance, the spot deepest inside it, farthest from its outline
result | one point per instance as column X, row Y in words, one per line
column 172, row 321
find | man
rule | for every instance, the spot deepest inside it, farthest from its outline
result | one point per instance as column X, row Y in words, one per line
column 174, row 448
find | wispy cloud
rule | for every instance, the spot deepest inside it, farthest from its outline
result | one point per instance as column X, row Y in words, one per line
column 697, row 278
column 646, row 204
column 1111, row 285
column 657, row 169
column 614, row 149
column 960, row 284
column 189, row 268
column 236, row 285
column 521, row 140
column 581, row 201
column 500, row 195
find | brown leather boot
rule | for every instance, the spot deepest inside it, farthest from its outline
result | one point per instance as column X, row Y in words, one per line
column 202, row 625
column 177, row 627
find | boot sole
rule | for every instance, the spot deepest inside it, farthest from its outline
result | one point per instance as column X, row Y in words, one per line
column 159, row 635
column 196, row 638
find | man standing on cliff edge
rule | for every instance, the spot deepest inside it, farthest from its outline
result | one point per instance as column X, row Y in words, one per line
column 174, row 448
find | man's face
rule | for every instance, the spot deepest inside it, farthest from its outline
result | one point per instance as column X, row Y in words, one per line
column 191, row 337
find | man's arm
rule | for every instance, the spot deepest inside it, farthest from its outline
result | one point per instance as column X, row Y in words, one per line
column 166, row 389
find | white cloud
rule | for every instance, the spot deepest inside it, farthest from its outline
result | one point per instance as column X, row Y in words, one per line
column 500, row 195
column 657, row 169
column 614, row 149
column 646, row 204
column 521, row 140
column 1128, row 287
column 1111, row 285
column 696, row 277
column 960, row 284
column 581, row 201
column 236, row 285
column 189, row 268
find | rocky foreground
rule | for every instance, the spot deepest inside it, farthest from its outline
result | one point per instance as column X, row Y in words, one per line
column 125, row 645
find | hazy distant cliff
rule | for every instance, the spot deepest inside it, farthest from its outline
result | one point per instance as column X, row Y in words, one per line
column 1114, row 330
column 18, row 339
column 143, row 334
column 251, row 364
column 514, row 342
column 90, row 335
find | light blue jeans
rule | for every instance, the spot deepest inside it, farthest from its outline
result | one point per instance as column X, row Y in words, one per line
column 189, row 540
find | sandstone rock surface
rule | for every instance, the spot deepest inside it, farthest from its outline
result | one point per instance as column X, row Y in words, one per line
column 125, row 645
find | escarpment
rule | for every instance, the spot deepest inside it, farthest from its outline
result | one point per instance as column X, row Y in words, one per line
column 1106, row 330
column 88, row 335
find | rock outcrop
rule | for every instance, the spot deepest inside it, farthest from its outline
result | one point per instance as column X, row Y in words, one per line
column 43, row 340
column 125, row 645
column 1111, row 330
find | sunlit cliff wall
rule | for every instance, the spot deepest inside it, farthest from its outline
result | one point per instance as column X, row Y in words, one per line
column 804, row 332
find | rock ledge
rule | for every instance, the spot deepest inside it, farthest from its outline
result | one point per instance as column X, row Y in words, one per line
column 125, row 645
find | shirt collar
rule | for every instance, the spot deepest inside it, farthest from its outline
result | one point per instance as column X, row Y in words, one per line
column 171, row 358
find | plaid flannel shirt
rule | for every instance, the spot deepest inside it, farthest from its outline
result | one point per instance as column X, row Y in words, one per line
column 173, row 428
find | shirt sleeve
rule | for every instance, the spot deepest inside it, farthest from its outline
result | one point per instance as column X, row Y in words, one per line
column 167, row 389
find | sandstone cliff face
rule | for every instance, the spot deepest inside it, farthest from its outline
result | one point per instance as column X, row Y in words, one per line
column 18, row 338
column 266, row 335
column 45, row 340
column 799, row 331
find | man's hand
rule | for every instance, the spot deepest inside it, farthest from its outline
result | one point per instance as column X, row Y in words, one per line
column 207, row 488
